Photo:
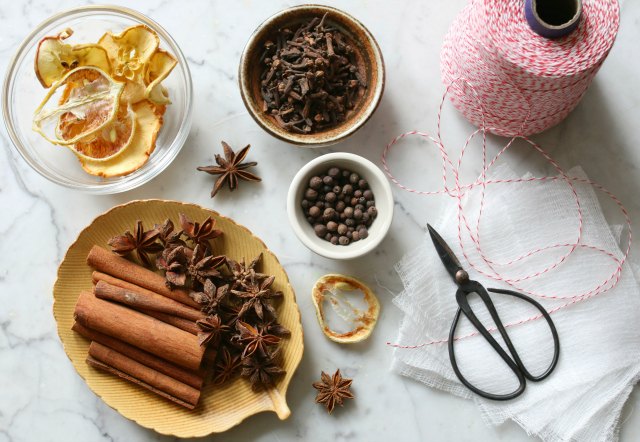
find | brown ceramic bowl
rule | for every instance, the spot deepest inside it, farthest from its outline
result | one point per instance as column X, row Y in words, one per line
column 370, row 58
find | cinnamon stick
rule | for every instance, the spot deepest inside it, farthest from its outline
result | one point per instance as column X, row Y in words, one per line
column 114, row 265
column 195, row 380
column 114, row 362
column 139, row 330
column 146, row 300
column 181, row 323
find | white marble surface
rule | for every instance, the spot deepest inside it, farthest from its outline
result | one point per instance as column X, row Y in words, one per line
column 41, row 396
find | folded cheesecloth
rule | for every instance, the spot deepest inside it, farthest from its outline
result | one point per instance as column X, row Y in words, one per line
column 596, row 310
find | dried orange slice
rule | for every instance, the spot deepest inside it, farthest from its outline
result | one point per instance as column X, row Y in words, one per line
column 54, row 58
column 157, row 69
column 111, row 140
column 148, row 118
column 81, row 103
column 336, row 289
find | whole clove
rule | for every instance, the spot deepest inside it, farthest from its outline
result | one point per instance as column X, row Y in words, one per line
column 311, row 77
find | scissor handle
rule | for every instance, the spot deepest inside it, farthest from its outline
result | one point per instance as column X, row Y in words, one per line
column 515, row 364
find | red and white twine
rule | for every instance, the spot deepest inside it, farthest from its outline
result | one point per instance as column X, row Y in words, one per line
column 536, row 69
column 527, row 83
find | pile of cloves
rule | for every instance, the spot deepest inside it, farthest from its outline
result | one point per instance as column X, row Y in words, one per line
column 311, row 77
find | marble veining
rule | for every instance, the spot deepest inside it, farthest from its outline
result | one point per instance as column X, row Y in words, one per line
column 41, row 396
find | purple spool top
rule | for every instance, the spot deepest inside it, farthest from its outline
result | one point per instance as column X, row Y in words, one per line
column 553, row 18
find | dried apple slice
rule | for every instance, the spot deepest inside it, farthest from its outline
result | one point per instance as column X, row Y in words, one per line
column 157, row 69
column 81, row 103
column 130, row 50
column 336, row 289
column 111, row 141
column 54, row 58
column 148, row 117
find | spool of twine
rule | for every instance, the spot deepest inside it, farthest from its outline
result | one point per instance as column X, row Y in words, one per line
column 526, row 82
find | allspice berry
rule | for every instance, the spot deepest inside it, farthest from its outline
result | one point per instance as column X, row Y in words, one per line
column 339, row 205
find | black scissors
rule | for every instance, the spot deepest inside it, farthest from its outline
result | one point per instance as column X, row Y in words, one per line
column 467, row 287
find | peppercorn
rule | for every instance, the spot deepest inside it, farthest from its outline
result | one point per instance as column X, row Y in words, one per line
column 363, row 184
column 327, row 180
column 343, row 240
column 340, row 206
column 363, row 233
column 328, row 236
column 305, row 204
column 333, row 172
column 337, row 189
column 348, row 212
column 368, row 195
column 347, row 189
column 315, row 182
column 357, row 214
column 314, row 211
column 311, row 194
column 332, row 226
column 334, row 240
column 342, row 229
column 355, row 236
column 350, row 222
column 373, row 212
column 357, row 193
column 321, row 230
column 330, row 197
column 354, row 178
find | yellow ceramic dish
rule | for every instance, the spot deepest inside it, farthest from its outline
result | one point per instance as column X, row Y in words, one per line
column 220, row 408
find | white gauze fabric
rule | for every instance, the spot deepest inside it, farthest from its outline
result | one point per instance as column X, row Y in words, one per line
column 599, row 341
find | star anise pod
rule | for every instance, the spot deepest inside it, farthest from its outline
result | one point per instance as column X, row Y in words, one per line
column 175, row 263
column 256, row 296
column 143, row 242
column 255, row 339
column 212, row 329
column 262, row 371
column 230, row 168
column 202, row 266
column 241, row 271
column 274, row 328
column 211, row 297
column 227, row 365
column 332, row 390
column 168, row 236
column 200, row 233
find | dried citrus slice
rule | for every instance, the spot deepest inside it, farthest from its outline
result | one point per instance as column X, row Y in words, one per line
column 81, row 103
column 148, row 117
column 157, row 69
column 111, row 141
column 337, row 289
column 54, row 58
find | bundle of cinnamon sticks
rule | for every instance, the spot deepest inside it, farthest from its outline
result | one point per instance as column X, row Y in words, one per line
column 141, row 330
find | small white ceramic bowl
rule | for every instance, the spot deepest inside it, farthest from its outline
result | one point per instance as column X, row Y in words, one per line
column 378, row 184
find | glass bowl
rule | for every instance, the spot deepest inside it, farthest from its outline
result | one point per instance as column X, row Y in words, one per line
column 22, row 94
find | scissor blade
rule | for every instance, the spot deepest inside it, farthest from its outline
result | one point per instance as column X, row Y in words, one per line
column 447, row 257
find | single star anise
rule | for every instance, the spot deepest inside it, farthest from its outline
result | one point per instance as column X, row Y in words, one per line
column 256, row 296
column 230, row 168
column 227, row 365
column 332, row 390
column 168, row 236
column 200, row 233
column 211, row 297
column 202, row 266
column 143, row 242
column 274, row 328
column 212, row 329
column 255, row 339
column 175, row 263
column 242, row 272
column 262, row 371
